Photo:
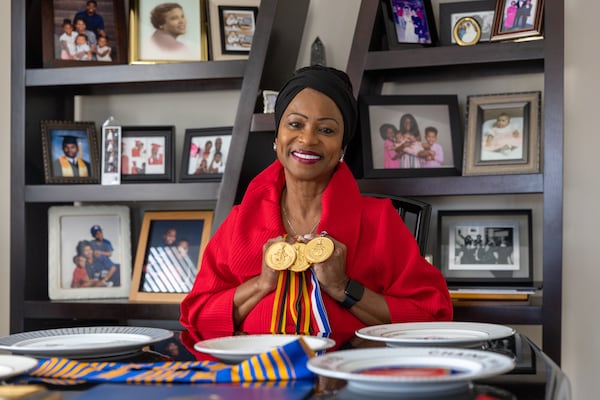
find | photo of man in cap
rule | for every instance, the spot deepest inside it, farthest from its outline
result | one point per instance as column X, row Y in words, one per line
column 103, row 250
column 70, row 163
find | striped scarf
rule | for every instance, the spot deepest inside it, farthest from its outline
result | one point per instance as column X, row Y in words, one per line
column 285, row 363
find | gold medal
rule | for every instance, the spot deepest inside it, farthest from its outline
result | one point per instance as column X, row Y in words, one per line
column 280, row 256
column 301, row 264
column 319, row 249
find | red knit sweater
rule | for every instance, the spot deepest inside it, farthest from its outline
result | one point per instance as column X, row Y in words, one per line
column 381, row 254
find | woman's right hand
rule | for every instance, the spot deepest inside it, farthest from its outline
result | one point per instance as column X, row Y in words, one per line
column 267, row 280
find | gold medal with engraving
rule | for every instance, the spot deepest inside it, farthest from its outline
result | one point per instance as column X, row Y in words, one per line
column 301, row 264
column 319, row 249
column 280, row 256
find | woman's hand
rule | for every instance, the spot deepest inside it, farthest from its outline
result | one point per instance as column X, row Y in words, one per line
column 331, row 273
column 267, row 280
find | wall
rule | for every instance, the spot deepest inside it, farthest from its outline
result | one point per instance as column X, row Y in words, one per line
column 581, row 347
column 4, row 169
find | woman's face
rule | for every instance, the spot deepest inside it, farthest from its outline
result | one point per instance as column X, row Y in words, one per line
column 309, row 139
column 175, row 22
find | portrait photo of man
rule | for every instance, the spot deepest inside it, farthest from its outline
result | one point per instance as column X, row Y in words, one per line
column 70, row 159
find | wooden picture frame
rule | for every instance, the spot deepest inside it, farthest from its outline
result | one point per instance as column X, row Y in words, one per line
column 75, row 269
column 205, row 154
column 518, row 20
column 450, row 13
column 490, row 149
column 169, row 254
column 77, row 140
column 59, row 48
column 395, row 156
column 147, row 154
column 485, row 247
column 232, row 24
column 152, row 41
column 409, row 23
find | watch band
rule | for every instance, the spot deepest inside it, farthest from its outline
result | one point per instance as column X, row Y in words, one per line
column 354, row 292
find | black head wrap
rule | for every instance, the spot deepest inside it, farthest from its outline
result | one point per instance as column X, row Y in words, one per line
column 333, row 83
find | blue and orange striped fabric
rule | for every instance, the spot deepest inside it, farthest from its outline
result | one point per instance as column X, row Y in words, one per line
column 281, row 364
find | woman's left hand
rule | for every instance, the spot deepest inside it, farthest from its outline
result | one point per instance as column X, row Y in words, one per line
column 331, row 273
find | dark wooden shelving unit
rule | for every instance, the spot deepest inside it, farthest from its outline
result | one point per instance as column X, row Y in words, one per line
column 49, row 94
column 371, row 66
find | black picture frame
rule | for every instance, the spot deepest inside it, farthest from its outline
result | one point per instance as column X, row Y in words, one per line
column 138, row 163
column 437, row 111
column 482, row 11
column 54, row 13
column 424, row 32
column 195, row 153
column 510, row 230
column 84, row 136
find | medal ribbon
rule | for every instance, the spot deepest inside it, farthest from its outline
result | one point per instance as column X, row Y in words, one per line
column 298, row 300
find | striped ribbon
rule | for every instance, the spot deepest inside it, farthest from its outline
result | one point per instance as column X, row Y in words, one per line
column 298, row 300
column 284, row 363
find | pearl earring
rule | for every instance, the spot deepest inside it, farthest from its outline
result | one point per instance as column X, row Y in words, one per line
column 342, row 157
column 274, row 146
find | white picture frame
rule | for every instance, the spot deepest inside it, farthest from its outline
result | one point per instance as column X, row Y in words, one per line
column 69, row 234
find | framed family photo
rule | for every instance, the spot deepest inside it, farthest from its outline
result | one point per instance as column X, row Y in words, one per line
column 205, row 153
column 410, row 136
column 168, row 255
column 162, row 32
column 89, row 252
column 485, row 247
column 232, row 25
column 518, row 20
column 81, row 33
column 481, row 11
column 503, row 134
column 409, row 22
column 70, row 152
column 147, row 154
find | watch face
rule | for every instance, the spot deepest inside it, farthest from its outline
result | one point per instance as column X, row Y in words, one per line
column 354, row 290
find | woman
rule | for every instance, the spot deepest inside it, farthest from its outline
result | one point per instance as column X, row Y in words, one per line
column 308, row 190
column 169, row 22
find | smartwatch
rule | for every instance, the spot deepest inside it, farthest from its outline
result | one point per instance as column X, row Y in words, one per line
column 354, row 292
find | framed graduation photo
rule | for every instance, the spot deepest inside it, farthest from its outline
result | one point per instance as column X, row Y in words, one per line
column 70, row 152
column 147, row 154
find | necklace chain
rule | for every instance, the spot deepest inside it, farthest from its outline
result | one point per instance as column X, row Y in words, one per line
column 287, row 218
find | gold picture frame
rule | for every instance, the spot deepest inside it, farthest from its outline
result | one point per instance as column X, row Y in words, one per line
column 503, row 134
column 151, row 41
column 466, row 31
column 169, row 254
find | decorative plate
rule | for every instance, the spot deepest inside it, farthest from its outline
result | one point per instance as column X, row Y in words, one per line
column 15, row 365
column 423, row 370
column 83, row 342
column 234, row 349
column 435, row 333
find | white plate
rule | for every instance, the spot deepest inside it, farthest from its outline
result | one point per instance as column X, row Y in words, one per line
column 83, row 342
column 435, row 333
column 410, row 369
column 15, row 365
column 234, row 349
